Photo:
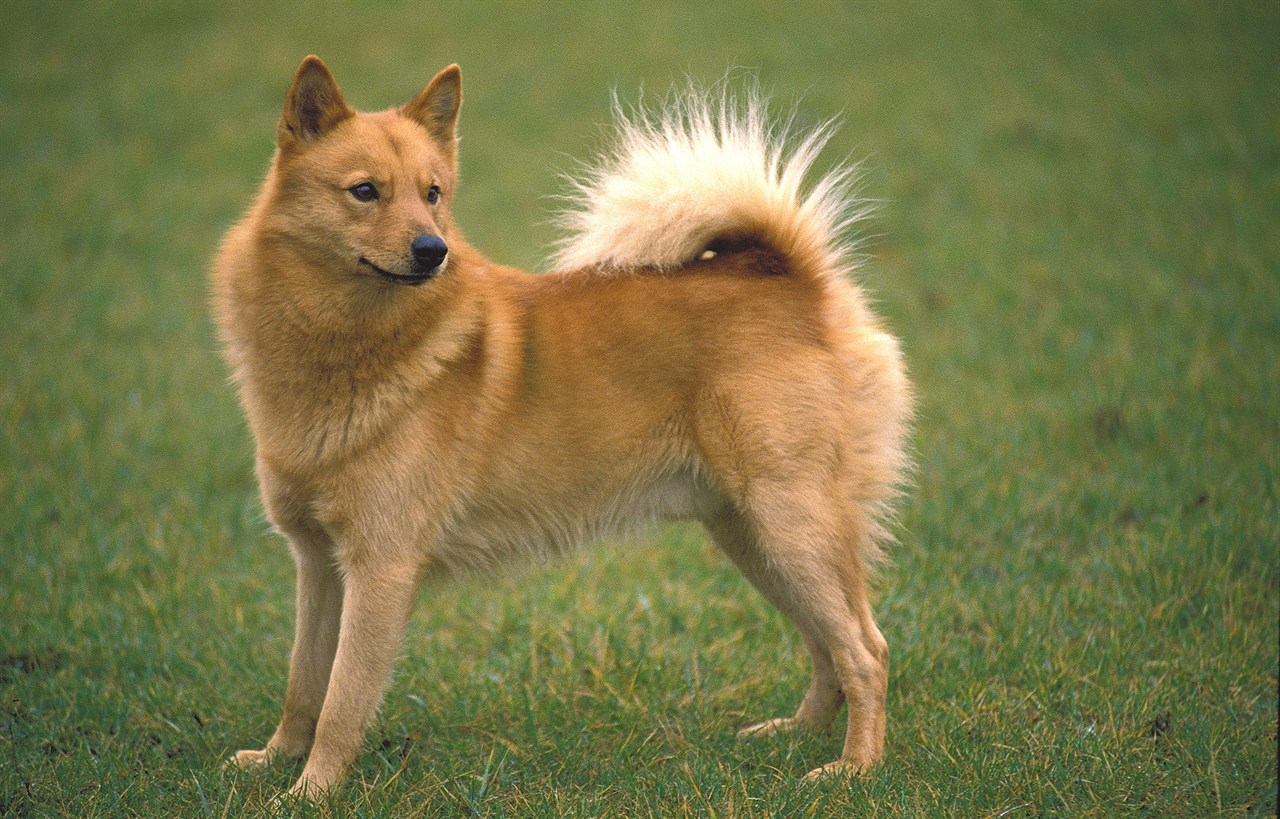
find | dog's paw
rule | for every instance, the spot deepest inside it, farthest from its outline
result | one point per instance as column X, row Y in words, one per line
column 288, row 803
column 769, row 727
column 834, row 770
column 311, row 788
column 251, row 759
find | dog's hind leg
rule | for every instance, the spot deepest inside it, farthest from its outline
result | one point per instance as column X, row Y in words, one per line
column 804, row 556
column 319, row 607
column 822, row 700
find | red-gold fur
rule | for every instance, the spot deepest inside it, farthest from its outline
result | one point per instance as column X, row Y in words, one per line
column 705, row 355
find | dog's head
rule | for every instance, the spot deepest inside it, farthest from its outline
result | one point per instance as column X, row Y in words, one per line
column 369, row 194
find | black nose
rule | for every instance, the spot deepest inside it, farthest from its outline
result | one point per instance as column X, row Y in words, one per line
column 428, row 252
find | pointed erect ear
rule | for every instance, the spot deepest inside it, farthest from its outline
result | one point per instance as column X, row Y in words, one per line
column 436, row 108
column 314, row 105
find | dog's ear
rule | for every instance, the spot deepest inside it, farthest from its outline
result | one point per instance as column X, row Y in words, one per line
column 314, row 104
column 436, row 108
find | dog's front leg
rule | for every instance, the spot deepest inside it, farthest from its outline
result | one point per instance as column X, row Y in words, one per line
column 319, row 607
column 377, row 600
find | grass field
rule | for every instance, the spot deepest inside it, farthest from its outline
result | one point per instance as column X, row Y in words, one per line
column 1077, row 241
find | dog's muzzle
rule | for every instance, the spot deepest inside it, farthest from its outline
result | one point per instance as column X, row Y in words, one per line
column 429, row 253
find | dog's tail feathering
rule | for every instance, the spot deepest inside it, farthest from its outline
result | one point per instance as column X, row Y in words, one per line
column 708, row 166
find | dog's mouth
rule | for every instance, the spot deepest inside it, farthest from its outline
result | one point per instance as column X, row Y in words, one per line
column 414, row 278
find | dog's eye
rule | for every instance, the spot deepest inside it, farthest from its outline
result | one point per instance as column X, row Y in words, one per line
column 433, row 194
column 364, row 192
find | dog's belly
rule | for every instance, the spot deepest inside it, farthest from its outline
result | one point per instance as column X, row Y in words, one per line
column 500, row 528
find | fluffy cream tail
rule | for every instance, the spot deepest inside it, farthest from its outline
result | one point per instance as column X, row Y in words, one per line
column 708, row 166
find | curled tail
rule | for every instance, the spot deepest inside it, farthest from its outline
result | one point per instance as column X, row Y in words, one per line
column 704, row 167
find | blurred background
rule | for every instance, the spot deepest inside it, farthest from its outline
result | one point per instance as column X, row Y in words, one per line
column 1075, row 238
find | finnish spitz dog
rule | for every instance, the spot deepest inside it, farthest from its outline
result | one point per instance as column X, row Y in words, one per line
column 418, row 410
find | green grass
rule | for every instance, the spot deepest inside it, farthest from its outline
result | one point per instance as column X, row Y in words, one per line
column 1076, row 241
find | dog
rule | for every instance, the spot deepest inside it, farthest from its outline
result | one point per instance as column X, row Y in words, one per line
column 419, row 410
